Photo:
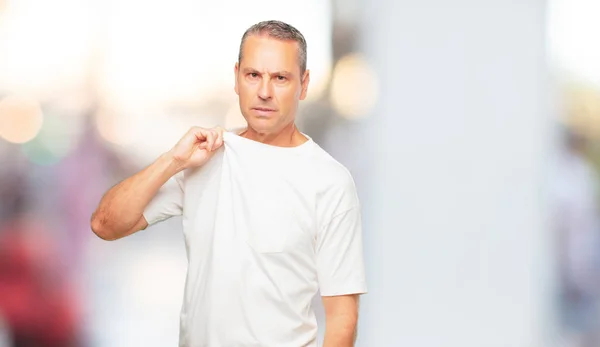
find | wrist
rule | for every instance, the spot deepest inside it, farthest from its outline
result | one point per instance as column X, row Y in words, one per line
column 170, row 164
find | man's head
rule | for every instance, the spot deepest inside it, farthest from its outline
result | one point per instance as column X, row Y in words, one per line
column 270, row 75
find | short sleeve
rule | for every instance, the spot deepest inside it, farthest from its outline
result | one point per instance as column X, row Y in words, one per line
column 167, row 202
column 340, row 263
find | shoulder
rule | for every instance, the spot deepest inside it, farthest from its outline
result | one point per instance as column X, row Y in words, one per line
column 192, row 177
column 330, row 169
column 336, row 185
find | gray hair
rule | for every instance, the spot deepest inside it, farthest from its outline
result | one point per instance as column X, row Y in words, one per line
column 280, row 31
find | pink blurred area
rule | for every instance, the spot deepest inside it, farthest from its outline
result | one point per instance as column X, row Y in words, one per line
column 37, row 298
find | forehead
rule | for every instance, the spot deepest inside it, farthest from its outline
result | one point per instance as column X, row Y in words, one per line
column 266, row 53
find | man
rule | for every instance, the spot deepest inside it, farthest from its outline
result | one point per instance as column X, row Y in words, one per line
column 269, row 217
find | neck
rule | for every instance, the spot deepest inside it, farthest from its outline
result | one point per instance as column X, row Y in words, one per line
column 289, row 136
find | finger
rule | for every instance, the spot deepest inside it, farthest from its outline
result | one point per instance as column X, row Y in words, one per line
column 221, row 131
column 221, row 135
column 199, row 133
column 218, row 140
column 210, row 139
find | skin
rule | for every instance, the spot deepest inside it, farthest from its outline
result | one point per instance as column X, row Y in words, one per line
column 270, row 86
column 120, row 212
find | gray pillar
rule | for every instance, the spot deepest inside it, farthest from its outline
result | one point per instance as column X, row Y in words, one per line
column 453, row 168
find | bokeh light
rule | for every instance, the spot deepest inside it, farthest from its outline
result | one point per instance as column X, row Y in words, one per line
column 318, row 86
column 112, row 126
column 582, row 109
column 57, row 138
column 354, row 87
column 21, row 118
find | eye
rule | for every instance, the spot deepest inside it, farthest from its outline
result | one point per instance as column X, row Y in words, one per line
column 253, row 75
column 281, row 78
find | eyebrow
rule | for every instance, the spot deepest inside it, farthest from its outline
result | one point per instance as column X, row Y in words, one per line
column 284, row 73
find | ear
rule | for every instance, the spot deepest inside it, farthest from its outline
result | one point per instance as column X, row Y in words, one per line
column 305, row 81
column 236, row 70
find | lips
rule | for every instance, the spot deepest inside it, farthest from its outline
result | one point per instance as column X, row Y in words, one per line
column 264, row 109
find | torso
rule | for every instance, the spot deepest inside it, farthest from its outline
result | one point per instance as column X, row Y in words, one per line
column 250, row 220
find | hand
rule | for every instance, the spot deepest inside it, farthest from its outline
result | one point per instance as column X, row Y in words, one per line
column 197, row 146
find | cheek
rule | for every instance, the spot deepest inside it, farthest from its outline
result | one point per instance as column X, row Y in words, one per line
column 245, row 91
column 287, row 96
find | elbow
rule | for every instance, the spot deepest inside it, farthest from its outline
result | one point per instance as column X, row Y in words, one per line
column 99, row 228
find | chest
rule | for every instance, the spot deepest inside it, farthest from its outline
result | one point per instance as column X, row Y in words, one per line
column 263, row 206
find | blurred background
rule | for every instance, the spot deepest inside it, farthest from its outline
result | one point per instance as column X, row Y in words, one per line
column 472, row 129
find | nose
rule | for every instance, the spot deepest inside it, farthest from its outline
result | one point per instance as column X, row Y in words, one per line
column 265, row 91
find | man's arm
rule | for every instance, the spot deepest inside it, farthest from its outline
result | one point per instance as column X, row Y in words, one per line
column 341, row 317
column 120, row 212
column 340, row 267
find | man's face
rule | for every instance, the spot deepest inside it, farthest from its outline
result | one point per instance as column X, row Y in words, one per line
column 269, row 83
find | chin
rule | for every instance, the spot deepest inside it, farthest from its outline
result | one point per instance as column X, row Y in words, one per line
column 262, row 125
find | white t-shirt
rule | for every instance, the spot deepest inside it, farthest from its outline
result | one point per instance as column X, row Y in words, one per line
column 266, row 228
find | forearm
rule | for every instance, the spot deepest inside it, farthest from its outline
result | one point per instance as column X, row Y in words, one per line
column 340, row 331
column 123, row 205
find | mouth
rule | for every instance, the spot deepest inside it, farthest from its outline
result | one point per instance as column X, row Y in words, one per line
column 263, row 109
column 263, row 112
